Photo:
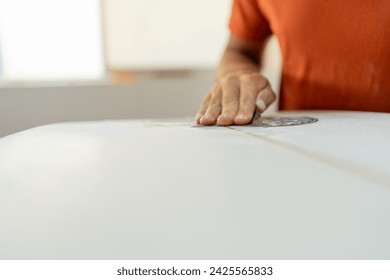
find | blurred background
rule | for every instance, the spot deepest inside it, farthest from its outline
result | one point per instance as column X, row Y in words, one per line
column 70, row 60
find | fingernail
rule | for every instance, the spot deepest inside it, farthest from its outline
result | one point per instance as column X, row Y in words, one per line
column 240, row 116
column 205, row 118
column 225, row 115
column 261, row 104
column 221, row 117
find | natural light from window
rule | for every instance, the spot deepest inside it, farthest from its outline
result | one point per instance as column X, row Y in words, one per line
column 51, row 40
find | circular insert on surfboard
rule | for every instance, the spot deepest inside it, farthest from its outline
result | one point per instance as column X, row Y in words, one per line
column 282, row 121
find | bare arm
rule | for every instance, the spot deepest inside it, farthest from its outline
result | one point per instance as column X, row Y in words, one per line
column 239, row 87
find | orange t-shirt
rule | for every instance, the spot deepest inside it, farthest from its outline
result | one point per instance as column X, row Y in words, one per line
column 336, row 54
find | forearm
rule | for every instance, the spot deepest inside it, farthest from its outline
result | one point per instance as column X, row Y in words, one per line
column 236, row 62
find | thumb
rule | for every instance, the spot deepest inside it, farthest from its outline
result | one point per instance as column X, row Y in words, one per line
column 265, row 97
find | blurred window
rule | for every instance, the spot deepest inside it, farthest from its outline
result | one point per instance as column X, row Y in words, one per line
column 44, row 40
column 51, row 40
column 168, row 34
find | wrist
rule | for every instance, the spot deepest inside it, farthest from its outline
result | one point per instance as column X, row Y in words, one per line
column 237, row 72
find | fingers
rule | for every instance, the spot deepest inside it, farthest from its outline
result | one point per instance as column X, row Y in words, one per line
column 265, row 98
column 249, row 86
column 235, row 99
column 231, row 91
column 203, row 108
column 214, row 107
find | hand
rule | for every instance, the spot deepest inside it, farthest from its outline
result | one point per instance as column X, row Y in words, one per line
column 234, row 99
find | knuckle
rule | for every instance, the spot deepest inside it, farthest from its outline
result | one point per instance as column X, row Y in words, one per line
column 228, row 112
column 206, row 97
column 246, row 101
column 212, row 92
column 268, row 95
column 229, row 81
column 215, row 94
column 263, row 82
column 204, row 105
column 248, row 77
column 273, row 97
column 215, row 102
column 269, row 91
column 230, row 96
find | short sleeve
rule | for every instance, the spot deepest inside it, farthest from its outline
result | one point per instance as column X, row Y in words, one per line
column 247, row 21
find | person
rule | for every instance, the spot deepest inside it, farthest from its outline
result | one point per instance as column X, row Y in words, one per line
column 336, row 56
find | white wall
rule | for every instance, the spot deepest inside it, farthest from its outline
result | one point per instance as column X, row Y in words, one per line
column 165, row 34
